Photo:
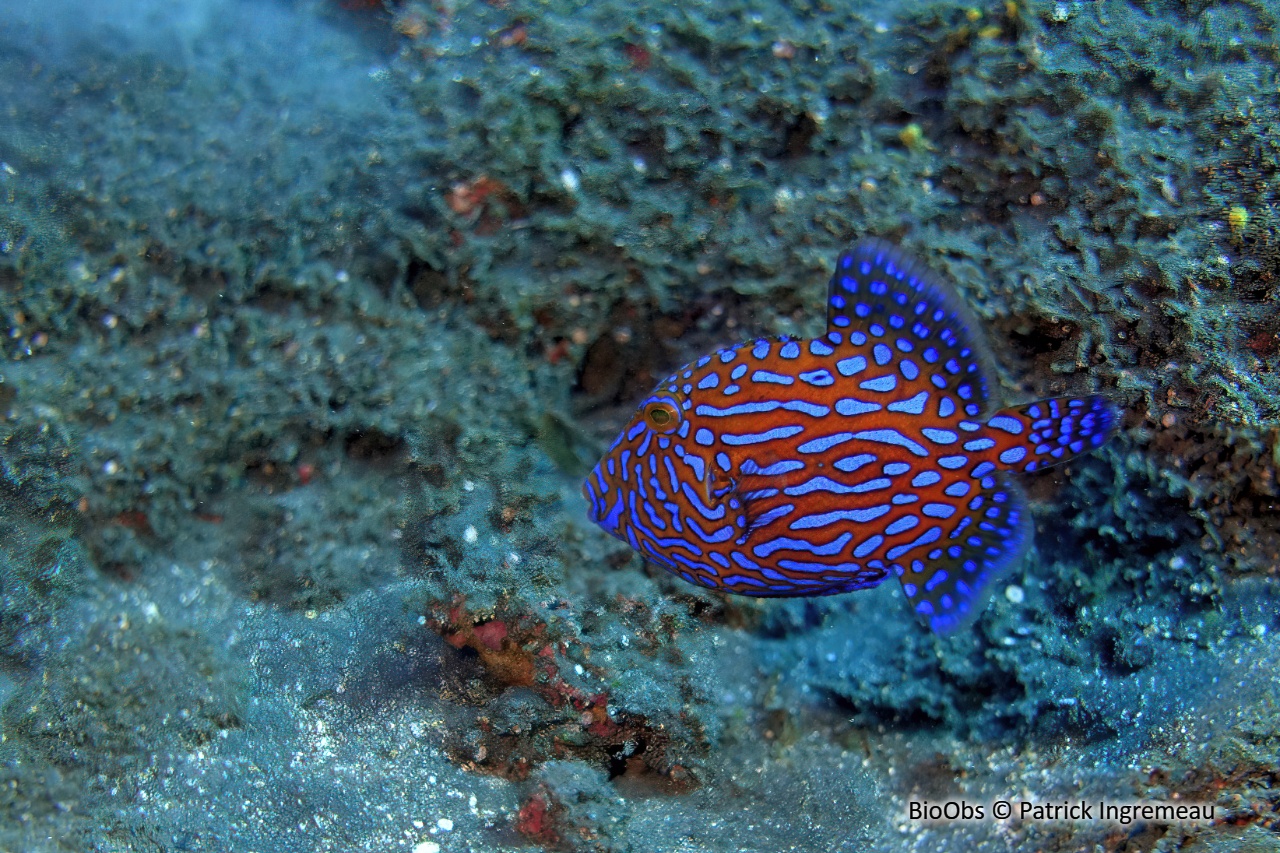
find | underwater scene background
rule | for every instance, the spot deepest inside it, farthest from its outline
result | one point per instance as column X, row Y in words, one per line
column 317, row 314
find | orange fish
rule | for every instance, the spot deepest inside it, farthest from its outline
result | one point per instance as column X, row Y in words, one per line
column 781, row 467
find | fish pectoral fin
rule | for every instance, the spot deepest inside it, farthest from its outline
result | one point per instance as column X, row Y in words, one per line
column 740, row 495
column 717, row 485
column 754, row 512
column 754, row 494
column 720, row 488
column 740, row 504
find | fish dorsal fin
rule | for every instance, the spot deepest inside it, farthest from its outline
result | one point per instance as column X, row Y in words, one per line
column 878, row 292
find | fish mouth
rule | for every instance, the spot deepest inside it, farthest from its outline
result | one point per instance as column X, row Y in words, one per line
column 593, row 503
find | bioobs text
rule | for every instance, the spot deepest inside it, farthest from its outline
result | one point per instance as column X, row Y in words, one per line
column 951, row 810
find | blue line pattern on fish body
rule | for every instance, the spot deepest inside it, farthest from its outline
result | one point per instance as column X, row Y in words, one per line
column 774, row 493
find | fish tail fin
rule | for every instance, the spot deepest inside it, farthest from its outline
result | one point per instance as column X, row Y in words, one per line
column 1036, row 435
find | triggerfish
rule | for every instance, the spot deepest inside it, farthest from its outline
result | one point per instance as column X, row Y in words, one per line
column 784, row 467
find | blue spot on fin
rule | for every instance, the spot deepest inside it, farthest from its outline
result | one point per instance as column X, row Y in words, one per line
column 875, row 281
column 952, row 590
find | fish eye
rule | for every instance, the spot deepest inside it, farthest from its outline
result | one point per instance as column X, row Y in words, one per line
column 662, row 416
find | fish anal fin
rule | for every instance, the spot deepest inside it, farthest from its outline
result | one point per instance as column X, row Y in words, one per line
column 950, row 589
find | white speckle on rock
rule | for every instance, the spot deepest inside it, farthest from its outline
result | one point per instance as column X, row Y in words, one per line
column 1014, row 593
column 426, row 847
column 470, row 535
column 445, row 824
